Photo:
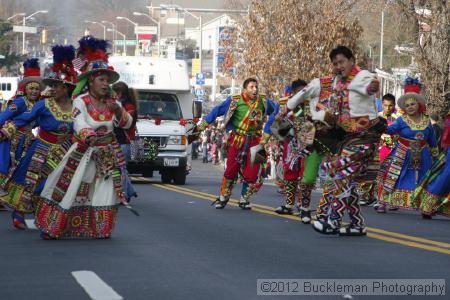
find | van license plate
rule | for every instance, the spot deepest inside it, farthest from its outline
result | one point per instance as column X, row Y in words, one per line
column 171, row 162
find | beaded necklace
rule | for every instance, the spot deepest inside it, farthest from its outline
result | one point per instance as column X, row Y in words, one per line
column 28, row 103
column 420, row 125
column 57, row 112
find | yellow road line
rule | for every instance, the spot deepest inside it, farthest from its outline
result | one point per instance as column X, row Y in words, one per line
column 375, row 230
column 408, row 243
column 270, row 208
column 209, row 198
column 409, row 237
column 415, row 242
column 212, row 198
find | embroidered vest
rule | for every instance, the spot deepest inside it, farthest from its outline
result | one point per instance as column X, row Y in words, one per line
column 326, row 91
column 234, row 104
column 98, row 116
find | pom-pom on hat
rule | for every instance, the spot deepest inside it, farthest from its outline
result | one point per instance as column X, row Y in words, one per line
column 31, row 73
column 62, row 69
column 412, row 89
column 92, row 58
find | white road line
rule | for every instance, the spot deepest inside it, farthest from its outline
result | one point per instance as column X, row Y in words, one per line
column 30, row 224
column 95, row 287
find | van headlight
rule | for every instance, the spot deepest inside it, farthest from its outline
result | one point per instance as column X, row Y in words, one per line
column 177, row 140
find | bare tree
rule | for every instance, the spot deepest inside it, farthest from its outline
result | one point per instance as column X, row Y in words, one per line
column 432, row 49
column 282, row 40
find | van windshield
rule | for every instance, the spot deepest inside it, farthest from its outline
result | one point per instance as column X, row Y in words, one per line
column 158, row 105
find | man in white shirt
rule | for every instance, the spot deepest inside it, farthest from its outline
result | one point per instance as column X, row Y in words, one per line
column 348, row 130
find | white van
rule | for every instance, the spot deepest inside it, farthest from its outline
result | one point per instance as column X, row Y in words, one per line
column 163, row 93
column 8, row 88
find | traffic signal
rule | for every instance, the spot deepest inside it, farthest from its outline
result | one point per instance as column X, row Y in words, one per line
column 44, row 36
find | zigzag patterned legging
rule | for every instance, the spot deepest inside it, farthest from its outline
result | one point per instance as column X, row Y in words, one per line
column 350, row 203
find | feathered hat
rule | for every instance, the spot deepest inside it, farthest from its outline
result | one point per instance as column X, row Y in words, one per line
column 31, row 73
column 412, row 89
column 92, row 58
column 62, row 69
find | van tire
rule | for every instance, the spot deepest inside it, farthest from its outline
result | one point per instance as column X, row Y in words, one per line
column 179, row 177
column 166, row 176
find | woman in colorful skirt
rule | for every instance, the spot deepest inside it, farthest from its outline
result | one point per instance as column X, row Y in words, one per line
column 14, row 141
column 81, row 196
column 433, row 193
column 411, row 157
column 53, row 116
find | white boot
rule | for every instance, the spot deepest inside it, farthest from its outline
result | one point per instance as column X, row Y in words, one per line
column 244, row 204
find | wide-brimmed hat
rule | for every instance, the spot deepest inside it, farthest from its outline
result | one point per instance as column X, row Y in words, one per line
column 412, row 90
column 92, row 58
column 31, row 73
column 62, row 69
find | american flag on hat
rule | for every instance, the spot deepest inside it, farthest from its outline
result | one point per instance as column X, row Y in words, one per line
column 78, row 63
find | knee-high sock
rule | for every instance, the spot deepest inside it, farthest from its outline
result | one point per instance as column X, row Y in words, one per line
column 346, row 200
column 305, row 195
column 290, row 188
column 248, row 189
column 226, row 188
column 354, row 210
column 325, row 200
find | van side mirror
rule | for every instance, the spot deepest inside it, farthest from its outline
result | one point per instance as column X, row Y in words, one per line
column 197, row 107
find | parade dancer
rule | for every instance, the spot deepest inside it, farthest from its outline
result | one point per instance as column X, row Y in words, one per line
column 277, row 147
column 312, row 155
column 311, row 163
column 81, row 196
column 244, row 117
column 411, row 157
column 13, row 143
column 433, row 193
column 53, row 116
column 299, row 172
column 346, row 105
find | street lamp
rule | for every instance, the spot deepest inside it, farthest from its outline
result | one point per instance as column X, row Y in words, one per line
column 135, row 24
column 12, row 17
column 199, row 18
column 382, row 34
column 113, row 32
column 97, row 23
column 159, row 28
column 23, row 24
column 125, row 18
column 123, row 36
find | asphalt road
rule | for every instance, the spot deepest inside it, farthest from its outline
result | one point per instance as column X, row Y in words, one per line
column 182, row 248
